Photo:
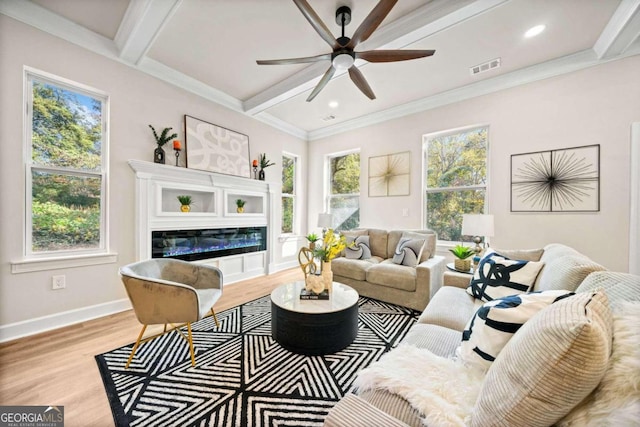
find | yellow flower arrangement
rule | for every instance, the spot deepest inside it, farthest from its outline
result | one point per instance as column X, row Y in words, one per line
column 332, row 245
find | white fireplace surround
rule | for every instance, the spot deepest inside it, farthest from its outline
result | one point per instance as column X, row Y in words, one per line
column 214, row 196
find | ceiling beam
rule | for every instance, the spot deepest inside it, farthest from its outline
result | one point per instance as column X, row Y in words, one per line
column 621, row 32
column 140, row 26
column 427, row 20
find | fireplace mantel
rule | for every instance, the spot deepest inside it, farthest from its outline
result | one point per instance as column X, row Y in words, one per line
column 214, row 195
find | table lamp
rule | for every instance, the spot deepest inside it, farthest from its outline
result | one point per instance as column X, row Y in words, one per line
column 478, row 226
column 325, row 221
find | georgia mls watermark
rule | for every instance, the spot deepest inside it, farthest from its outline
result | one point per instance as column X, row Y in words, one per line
column 31, row 416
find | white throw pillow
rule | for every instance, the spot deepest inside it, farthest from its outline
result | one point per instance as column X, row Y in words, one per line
column 498, row 277
column 408, row 251
column 357, row 247
column 493, row 325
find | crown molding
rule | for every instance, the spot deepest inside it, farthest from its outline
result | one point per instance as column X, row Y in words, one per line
column 189, row 84
column 279, row 124
column 568, row 64
column 37, row 16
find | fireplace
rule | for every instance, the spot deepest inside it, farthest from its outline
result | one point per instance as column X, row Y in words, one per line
column 193, row 245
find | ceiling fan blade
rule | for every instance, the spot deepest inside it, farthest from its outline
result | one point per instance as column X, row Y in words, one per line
column 358, row 78
column 393, row 55
column 371, row 22
column 316, row 22
column 294, row 60
column 323, row 82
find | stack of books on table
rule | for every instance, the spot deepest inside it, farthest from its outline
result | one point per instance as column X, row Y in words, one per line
column 305, row 294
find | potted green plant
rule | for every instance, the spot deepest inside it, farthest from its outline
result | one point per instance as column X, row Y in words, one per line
column 185, row 203
column 240, row 205
column 163, row 138
column 462, row 254
column 312, row 238
column 264, row 163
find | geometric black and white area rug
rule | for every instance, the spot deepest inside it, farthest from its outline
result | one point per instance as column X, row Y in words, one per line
column 242, row 376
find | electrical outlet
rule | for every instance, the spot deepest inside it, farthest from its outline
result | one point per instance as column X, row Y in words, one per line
column 58, row 282
column 405, row 211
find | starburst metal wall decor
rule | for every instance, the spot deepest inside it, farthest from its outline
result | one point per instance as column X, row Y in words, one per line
column 565, row 180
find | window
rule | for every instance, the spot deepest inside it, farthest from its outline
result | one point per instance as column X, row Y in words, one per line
column 344, row 190
column 66, row 162
column 456, row 179
column 289, row 171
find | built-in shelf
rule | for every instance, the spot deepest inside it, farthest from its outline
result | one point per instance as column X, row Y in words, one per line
column 255, row 203
column 214, row 206
column 203, row 200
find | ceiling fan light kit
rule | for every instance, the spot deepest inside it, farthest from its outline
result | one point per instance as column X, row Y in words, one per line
column 343, row 55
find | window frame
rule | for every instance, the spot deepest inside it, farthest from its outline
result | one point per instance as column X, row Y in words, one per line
column 31, row 75
column 293, row 196
column 425, row 169
column 328, row 195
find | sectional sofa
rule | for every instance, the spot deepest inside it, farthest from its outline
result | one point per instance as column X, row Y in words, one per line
column 536, row 379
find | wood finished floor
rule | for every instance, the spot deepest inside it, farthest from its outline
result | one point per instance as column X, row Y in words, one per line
column 58, row 367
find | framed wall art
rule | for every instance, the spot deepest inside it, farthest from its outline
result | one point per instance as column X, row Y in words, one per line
column 389, row 175
column 564, row 180
column 213, row 148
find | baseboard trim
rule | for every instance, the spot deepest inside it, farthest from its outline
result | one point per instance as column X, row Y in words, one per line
column 38, row 325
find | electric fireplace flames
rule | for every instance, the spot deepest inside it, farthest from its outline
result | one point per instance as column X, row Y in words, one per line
column 192, row 245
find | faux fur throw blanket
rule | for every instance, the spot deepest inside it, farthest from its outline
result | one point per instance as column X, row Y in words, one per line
column 444, row 391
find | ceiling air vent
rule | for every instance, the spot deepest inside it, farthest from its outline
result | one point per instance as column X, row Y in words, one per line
column 486, row 66
column 329, row 118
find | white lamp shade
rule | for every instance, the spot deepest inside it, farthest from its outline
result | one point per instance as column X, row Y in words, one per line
column 477, row 225
column 325, row 220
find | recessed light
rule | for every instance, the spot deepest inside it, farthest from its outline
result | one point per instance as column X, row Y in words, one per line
column 534, row 31
column 333, row 104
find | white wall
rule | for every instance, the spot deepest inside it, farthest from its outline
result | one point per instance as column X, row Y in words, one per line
column 592, row 106
column 136, row 101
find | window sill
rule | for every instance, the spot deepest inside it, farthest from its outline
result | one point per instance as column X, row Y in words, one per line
column 41, row 264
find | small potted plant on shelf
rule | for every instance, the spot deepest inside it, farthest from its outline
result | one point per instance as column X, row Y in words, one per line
column 185, row 203
column 240, row 205
column 264, row 163
column 312, row 238
column 163, row 138
column 462, row 254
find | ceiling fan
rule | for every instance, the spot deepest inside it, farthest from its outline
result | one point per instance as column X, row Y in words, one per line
column 344, row 55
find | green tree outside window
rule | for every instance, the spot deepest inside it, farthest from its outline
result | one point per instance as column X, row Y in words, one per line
column 65, row 169
column 456, row 180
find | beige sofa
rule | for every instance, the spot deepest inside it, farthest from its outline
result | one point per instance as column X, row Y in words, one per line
column 380, row 278
column 439, row 331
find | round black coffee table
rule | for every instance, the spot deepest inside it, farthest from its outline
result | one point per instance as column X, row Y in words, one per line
column 314, row 327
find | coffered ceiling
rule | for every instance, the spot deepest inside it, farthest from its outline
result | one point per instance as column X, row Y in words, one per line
column 210, row 47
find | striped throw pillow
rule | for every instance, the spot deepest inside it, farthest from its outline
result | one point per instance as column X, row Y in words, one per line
column 493, row 325
column 498, row 277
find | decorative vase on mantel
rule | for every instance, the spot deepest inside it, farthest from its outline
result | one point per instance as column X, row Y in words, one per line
column 158, row 155
column 327, row 275
column 261, row 175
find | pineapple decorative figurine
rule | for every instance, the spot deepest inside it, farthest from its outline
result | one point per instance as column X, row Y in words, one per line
column 185, row 203
column 240, row 205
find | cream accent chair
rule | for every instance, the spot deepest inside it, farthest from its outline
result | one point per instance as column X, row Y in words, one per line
column 169, row 291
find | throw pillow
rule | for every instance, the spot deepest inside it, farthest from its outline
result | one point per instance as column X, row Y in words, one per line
column 429, row 243
column 499, row 277
column 615, row 402
column 357, row 247
column 493, row 325
column 549, row 366
column 408, row 251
